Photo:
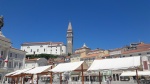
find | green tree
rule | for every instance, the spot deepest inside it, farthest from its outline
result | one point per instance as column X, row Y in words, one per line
column 46, row 56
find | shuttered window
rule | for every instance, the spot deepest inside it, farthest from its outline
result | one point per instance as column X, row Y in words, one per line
column 145, row 65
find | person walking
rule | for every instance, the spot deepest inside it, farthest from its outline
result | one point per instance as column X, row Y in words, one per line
column 110, row 79
column 30, row 81
column 91, row 80
column 35, row 81
column 107, row 80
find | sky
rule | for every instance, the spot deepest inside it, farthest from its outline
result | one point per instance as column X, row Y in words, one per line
column 106, row 24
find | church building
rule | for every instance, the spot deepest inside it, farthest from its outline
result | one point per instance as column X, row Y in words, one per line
column 56, row 48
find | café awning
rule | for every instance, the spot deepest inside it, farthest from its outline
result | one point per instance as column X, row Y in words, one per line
column 11, row 73
column 133, row 73
column 73, row 66
column 39, row 70
column 19, row 72
column 115, row 63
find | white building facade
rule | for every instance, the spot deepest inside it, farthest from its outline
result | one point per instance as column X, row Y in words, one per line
column 56, row 48
column 36, row 62
column 11, row 59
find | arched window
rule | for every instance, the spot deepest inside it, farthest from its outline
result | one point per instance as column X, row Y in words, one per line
column 117, row 77
column 114, row 77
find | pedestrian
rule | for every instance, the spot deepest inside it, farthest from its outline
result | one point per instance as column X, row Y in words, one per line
column 91, row 80
column 110, row 79
column 30, row 81
column 107, row 80
column 35, row 81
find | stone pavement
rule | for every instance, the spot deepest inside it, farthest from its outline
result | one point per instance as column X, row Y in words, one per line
column 115, row 82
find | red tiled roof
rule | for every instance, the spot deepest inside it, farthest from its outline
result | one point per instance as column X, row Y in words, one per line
column 41, row 43
column 98, row 49
column 91, row 55
column 18, row 49
column 140, row 48
column 115, row 49
column 34, row 59
column 83, row 48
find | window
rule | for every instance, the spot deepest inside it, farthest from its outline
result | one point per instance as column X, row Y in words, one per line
column 16, row 64
column 41, row 46
column 0, row 76
column 117, row 77
column 44, row 49
column 145, row 65
column 28, row 47
column 16, row 56
column 130, row 55
column 114, row 78
column 9, row 65
column 62, row 50
column 103, row 57
column 139, row 54
column 20, row 65
column 10, row 54
column 148, row 52
column 56, row 49
column 0, row 63
column 37, row 50
column 2, row 52
column 31, row 50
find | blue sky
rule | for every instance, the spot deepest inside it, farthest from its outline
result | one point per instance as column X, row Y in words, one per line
column 105, row 24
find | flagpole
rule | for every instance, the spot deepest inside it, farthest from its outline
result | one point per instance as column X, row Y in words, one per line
column 5, row 63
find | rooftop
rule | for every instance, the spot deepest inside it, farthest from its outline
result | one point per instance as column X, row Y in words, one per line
column 139, row 48
column 41, row 43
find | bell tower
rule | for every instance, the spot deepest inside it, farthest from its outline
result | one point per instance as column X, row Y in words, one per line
column 69, row 39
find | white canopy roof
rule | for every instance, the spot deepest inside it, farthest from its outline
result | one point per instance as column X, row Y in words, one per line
column 133, row 73
column 64, row 67
column 11, row 73
column 21, row 71
column 116, row 63
column 40, row 69
column 17, row 72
